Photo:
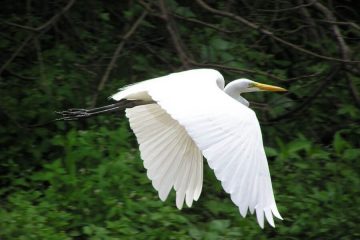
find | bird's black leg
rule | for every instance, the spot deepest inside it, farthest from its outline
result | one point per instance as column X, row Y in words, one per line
column 79, row 113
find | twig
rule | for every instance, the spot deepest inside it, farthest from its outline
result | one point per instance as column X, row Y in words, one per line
column 292, row 31
column 352, row 24
column 288, row 9
column 115, row 56
column 236, row 69
column 146, row 6
column 152, row 51
column 18, row 75
column 40, row 60
column 269, row 33
column 35, row 31
column 303, row 77
column 17, row 52
column 170, row 26
column 307, row 18
column 332, row 75
column 193, row 20
column 24, row 27
column 344, row 49
column 47, row 23
column 354, row 91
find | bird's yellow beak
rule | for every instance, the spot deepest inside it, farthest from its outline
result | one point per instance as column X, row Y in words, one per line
column 271, row 88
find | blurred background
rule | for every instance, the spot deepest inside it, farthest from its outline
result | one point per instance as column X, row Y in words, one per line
column 85, row 180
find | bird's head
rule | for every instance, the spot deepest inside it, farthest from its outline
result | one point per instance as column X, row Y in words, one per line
column 246, row 85
column 243, row 85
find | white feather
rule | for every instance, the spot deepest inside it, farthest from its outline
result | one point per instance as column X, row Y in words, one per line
column 193, row 112
column 168, row 153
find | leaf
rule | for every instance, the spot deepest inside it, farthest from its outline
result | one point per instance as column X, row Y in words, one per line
column 195, row 233
column 298, row 145
column 219, row 43
column 271, row 152
column 87, row 230
column 185, row 12
column 339, row 143
column 219, row 225
column 352, row 154
column 349, row 110
column 104, row 16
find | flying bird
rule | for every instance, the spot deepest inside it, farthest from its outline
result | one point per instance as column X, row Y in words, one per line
column 182, row 117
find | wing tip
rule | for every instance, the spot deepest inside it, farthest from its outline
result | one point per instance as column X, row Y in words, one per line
column 269, row 212
column 243, row 211
column 275, row 212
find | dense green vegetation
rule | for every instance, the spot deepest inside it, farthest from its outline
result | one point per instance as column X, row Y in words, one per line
column 85, row 180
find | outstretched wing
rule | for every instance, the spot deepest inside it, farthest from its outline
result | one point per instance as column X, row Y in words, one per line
column 170, row 156
column 227, row 133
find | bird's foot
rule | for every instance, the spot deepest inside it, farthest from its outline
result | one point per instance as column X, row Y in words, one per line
column 73, row 114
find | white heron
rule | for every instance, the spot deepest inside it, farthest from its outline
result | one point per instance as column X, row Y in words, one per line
column 181, row 117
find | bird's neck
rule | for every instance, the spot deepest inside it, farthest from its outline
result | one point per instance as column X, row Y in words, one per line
column 234, row 92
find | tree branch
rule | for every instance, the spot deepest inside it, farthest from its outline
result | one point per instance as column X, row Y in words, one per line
column 18, row 75
column 35, row 31
column 314, row 34
column 325, row 83
column 16, row 53
column 269, row 33
column 288, row 9
column 344, row 49
column 47, row 23
column 354, row 91
column 352, row 24
column 115, row 56
column 193, row 20
column 179, row 47
column 236, row 69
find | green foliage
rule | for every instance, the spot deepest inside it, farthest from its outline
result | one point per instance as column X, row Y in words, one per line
column 320, row 180
column 85, row 180
column 99, row 189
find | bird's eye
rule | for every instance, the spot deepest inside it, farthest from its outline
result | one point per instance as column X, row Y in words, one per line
column 251, row 85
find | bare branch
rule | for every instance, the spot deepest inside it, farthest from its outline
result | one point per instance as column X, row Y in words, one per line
column 16, row 53
column 236, row 69
column 155, row 53
column 269, row 33
column 354, row 91
column 170, row 26
column 35, row 31
column 145, row 6
column 321, row 87
column 18, row 75
column 193, row 20
column 288, row 9
column 27, row 28
column 344, row 49
column 304, row 77
column 352, row 24
column 314, row 32
column 40, row 59
column 47, row 23
column 115, row 56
